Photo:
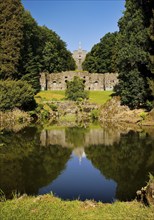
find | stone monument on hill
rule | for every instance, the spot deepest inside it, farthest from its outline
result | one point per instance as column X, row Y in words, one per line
column 79, row 56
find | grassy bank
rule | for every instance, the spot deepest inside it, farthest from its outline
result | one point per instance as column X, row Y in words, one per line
column 98, row 97
column 48, row 207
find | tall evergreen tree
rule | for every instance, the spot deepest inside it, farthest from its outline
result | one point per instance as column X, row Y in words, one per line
column 11, row 12
column 30, row 62
column 133, row 56
column 26, row 49
column 148, row 10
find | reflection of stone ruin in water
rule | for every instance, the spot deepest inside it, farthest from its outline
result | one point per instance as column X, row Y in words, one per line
column 92, row 137
column 80, row 153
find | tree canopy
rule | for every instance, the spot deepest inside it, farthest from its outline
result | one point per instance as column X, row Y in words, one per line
column 101, row 58
column 133, row 55
column 11, row 35
column 26, row 49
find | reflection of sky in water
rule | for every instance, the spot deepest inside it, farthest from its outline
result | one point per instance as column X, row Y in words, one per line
column 81, row 180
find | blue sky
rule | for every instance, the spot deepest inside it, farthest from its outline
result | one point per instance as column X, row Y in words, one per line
column 75, row 21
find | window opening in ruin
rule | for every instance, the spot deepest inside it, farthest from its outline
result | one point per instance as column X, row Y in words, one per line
column 96, row 82
column 66, row 81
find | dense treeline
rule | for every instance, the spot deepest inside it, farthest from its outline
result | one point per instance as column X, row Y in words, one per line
column 135, row 54
column 101, row 58
column 130, row 53
column 26, row 48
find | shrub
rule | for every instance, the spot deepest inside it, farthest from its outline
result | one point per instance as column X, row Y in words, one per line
column 94, row 114
column 149, row 105
column 143, row 115
column 75, row 89
column 54, row 107
column 45, row 114
column 16, row 94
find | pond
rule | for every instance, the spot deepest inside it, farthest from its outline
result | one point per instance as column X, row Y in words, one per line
column 101, row 163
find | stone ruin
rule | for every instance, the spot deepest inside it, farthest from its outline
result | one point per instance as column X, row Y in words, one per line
column 79, row 57
column 93, row 81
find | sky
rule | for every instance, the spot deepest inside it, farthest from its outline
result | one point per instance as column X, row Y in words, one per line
column 77, row 22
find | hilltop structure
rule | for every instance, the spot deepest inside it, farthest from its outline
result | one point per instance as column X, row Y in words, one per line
column 79, row 56
column 92, row 81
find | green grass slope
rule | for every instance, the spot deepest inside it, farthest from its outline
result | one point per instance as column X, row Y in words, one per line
column 98, row 97
column 48, row 207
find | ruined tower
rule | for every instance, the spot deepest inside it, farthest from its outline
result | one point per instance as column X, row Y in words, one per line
column 79, row 56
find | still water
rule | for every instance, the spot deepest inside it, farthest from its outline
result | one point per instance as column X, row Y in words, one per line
column 100, row 163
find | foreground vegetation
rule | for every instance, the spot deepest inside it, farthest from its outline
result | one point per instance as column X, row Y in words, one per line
column 49, row 207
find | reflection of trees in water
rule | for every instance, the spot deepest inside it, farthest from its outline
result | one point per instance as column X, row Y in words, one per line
column 76, row 136
column 127, row 162
column 25, row 165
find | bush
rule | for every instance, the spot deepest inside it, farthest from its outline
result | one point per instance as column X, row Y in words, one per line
column 143, row 115
column 16, row 94
column 75, row 89
column 53, row 107
column 94, row 114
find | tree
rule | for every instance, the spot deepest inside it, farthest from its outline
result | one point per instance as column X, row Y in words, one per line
column 56, row 58
column 133, row 56
column 26, row 48
column 75, row 89
column 30, row 62
column 11, row 12
column 101, row 57
column 51, row 60
column 148, row 10
column 16, row 94
column 42, row 50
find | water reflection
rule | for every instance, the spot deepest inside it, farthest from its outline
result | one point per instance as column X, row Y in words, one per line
column 25, row 165
column 99, row 163
column 79, row 137
column 81, row 181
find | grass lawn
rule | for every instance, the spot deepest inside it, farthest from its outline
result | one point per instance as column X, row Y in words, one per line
column 48, row 207
column 50, row 95
column 98, row 97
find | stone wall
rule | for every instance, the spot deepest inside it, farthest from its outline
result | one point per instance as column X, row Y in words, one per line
column 93, row 81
